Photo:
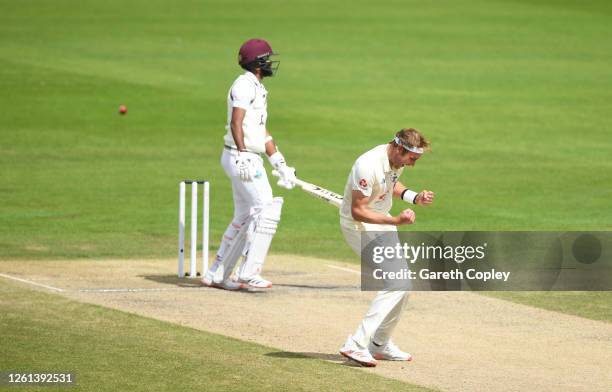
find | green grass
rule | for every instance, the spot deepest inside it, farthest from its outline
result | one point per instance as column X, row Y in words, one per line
column 592, row 305
column 109, row 350
column 513, row 94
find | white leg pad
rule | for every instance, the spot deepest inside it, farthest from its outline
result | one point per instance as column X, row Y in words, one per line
column 230, row 250
column 260, row 233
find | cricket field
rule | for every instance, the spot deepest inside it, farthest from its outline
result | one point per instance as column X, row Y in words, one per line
column 514, row 96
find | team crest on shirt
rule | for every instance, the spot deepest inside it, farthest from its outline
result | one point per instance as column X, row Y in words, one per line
column 363, row 183
column 394, row 177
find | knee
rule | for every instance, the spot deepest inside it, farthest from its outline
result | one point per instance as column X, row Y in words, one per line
column 263, row 200
column 241, row 218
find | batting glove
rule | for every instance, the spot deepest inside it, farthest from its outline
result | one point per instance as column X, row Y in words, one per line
column 287, row 177
column 245, row 168
column 286, row 173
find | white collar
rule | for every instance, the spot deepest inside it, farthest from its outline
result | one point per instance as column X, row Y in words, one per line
column 252, row 76
column 385, row 160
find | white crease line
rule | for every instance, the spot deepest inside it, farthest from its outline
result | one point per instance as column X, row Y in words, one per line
column 32, row 283
column 128, row 290
column 344, row 269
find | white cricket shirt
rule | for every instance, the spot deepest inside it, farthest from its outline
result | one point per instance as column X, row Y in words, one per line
column 250, row 94
column 373, row 176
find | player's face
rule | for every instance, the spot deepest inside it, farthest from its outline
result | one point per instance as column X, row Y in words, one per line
column 409, row 158
column 404, row 158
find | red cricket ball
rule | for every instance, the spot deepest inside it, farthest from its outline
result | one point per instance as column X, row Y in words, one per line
column 122, row 109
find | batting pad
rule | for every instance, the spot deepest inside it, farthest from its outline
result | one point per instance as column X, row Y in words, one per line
column 230, row 251
column 260, row 232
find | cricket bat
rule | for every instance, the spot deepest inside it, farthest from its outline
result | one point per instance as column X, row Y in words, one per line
column 316, row 191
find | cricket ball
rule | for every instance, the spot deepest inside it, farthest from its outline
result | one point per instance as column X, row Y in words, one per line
column 122, row 109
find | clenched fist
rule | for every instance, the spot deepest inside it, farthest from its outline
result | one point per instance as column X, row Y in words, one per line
column 406, row 217
column 424, row 198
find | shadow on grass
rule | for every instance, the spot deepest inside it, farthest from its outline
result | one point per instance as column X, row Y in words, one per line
column 311, row 355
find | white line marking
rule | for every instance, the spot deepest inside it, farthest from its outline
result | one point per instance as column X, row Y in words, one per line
column 344, row 269
column 32, row 283
column 128, row 290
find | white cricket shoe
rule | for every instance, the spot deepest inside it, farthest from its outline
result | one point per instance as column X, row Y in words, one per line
column 208, row 278
column 389, row 352
column 355, row 353
column 227, row 284
column 256, row 282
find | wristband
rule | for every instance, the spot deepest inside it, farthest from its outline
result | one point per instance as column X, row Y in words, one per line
column 409, row 196
column 277, row 159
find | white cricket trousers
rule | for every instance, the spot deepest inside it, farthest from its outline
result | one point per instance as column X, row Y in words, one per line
column 246, row 194
column 386, row 308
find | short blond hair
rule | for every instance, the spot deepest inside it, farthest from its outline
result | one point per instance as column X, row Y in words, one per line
column 413, row 138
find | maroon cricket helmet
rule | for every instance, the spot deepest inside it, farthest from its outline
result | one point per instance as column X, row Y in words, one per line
column 256, row 52
column 254, row 49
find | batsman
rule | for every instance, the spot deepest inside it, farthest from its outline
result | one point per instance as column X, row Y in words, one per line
column 372, row 184
column 256, row 212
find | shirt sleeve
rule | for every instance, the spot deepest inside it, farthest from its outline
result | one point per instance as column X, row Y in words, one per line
column 363, row 178
column 242, row 94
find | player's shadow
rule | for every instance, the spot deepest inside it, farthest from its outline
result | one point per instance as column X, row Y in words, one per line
column 305, row 355
column 317, row 287
column 337, row 358
column 195, row 283
column 173, row 280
